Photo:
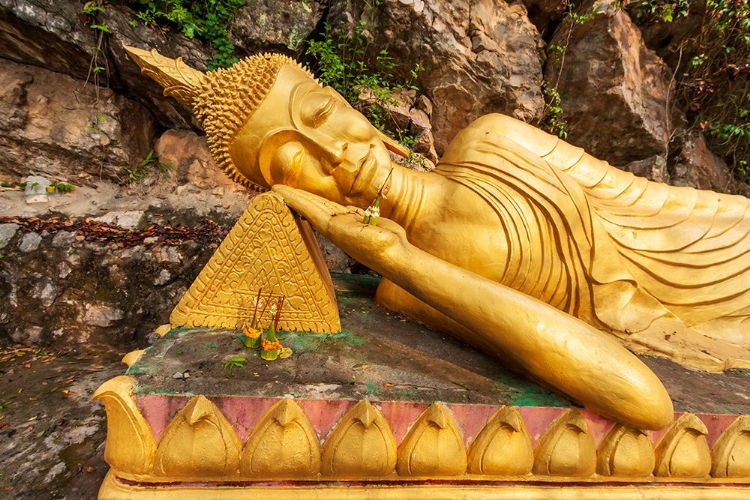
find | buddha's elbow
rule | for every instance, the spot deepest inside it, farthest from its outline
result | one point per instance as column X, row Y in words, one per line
column 657, row 409
column 637, row 399
column 648, row 408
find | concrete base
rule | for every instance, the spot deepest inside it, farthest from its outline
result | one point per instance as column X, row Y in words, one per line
column 389, row 409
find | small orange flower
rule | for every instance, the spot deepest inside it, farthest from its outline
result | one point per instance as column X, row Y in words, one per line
column 271, row 346
column 251, row 332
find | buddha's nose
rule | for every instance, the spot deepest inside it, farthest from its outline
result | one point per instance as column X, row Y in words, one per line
column 334, row 152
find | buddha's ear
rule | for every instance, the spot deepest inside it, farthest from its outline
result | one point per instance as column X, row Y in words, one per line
column 393, row 146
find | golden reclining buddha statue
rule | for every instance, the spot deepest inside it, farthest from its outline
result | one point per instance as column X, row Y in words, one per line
column 517, row 243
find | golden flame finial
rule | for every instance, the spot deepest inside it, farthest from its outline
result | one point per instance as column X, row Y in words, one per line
column 178, row 79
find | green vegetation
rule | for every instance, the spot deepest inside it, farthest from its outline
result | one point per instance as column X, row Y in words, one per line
column 149, row 164
column 340, row 62
column 713, row 73
column 55, row 187
column 98, row 73
column 235, row 362
column 206, row 19
column 553, row 112
column 61, row 187
column 552, row 115
column 715, row 84
column 660, row 10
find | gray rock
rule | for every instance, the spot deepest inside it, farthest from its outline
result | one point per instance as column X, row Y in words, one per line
column 163, row 278
column 169, row 254
column 653, row 168
column 127, row 219
column 335, row 258
column 64, row 269
column 47, row 291
column 696, row 166
column 7, row 232
column 30, row 334
column 29, row 242
column 63, row 239
column 277, row 25
column 101, row 315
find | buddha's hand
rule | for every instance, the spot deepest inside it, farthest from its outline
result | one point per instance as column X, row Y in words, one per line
column 373, row 246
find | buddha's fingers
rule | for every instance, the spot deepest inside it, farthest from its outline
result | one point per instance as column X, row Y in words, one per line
column 355, row 210
column 317, row 210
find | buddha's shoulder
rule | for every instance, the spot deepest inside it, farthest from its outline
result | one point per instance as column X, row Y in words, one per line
column 499, row 128
column 492, row 123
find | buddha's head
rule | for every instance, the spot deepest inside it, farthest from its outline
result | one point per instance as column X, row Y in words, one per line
column 268, row 121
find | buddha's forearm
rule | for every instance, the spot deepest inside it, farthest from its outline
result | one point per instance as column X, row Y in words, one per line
column 566, row 353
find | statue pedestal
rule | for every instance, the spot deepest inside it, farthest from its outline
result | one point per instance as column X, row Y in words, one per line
column 389, row 409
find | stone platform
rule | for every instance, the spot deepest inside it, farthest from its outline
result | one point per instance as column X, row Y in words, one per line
column 390, row 409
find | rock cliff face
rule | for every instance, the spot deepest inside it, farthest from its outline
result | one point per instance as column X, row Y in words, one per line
column 74, row 108
column 607, row 75
column 479, row 57
column 57, row 126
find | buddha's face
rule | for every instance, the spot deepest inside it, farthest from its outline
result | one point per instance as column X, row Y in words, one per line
column 308, row 137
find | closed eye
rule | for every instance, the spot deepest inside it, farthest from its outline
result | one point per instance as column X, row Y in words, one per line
column 317, row 109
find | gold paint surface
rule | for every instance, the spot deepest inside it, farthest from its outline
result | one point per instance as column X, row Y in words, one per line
column 625, row 451
column 162, row 330
column 283, row 445
column 200, row 453
column 731, row 452
column 113, row 490
column 361, row 445
column 198, row 442
column 130, row 358
column 434, row 446
column 683, row 450
column 130, row 446
column 566, row 448
column 503, row 447
column 264, row 250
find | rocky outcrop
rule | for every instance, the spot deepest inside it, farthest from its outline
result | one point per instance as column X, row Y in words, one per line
column 69, row 292
column 54, row 125
column 545, row 13
column 411, row 115
column 57, row 36
column 695, row 165
column 478, row 57
column 193, row 164
column 614, row 90
column 46, row 34
column 276, row 25
column 119, row 258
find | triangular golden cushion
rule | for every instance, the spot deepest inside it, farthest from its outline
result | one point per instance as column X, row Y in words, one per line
column 267, row 249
